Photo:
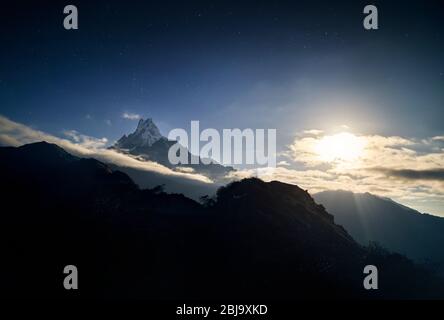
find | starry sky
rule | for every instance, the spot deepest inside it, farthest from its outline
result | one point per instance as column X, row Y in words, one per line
column 296, row 64
column 289, row 65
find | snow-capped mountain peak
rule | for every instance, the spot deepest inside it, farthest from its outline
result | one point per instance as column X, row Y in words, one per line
column 145, row 135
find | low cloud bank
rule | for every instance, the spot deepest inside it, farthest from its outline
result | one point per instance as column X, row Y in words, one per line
column 17, row 134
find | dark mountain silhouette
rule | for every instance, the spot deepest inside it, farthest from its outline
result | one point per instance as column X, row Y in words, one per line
column 148, row 143
column 396, row 227
column 253, row 240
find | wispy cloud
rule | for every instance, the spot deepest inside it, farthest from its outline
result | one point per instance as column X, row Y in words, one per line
column 16, row 134
column 130, row 116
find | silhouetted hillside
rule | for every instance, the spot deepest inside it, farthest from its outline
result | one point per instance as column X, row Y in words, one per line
column 253, row 240
column 394, row 226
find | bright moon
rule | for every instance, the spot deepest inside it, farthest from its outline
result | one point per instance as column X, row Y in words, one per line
column 340, row 147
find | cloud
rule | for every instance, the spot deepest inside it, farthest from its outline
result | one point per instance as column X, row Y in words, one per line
column 130, row 116
column 283, row 163
column 16, row 134
column 431, row 174
column 408, row 170
column 313, row 132
column 438, row 138
column 185, row 169
column 108, row 122
column 85, row 141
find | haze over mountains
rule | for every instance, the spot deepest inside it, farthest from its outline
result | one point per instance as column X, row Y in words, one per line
column 253, row 240
column 396, row 227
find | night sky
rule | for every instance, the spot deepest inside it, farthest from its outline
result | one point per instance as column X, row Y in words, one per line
column 284, row 64
column 289, row 65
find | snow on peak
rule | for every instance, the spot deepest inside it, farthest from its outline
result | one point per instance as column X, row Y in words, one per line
column 145, row 135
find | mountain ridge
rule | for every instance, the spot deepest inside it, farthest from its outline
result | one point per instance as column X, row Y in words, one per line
column 254, row 239
column 397, row 227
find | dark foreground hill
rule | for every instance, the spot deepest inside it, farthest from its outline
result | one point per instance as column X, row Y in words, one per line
column 254, row 240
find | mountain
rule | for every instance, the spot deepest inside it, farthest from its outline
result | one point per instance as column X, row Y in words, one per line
column 58, row 209
column 148, row 143
column 145, row 135
column 396, row 227
column 39, row 165
column 253, row 240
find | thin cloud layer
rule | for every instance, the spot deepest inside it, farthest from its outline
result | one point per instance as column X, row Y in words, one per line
column 17, row 134
column 432, row 174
